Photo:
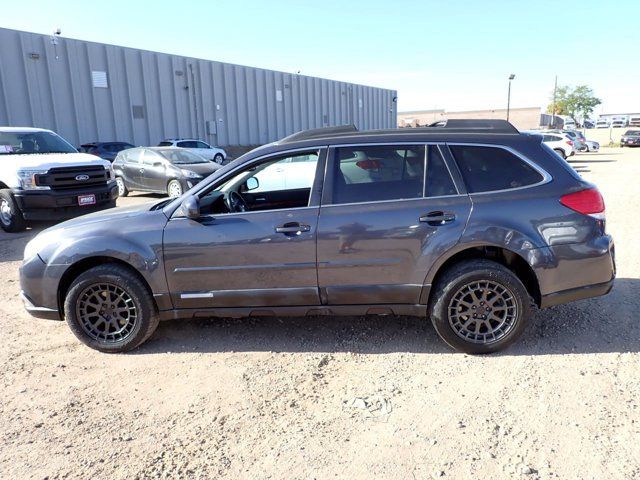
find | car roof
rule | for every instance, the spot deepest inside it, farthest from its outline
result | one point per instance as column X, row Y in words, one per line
column 23, row 130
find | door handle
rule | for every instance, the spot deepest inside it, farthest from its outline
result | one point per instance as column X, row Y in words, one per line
column 438, row 217
column 292, row 228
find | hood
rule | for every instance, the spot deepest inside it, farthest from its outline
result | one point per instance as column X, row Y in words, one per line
column 50, row 160
column 111, row 222
column 204, row 169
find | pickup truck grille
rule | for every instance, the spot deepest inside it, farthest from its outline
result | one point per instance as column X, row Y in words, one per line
column 62, row 178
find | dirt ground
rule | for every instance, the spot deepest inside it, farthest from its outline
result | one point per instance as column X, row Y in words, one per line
column 334, row 397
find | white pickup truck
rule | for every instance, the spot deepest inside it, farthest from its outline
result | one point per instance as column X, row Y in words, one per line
column 43, row 177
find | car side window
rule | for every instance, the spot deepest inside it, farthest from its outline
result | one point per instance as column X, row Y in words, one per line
column 371, row 173
column 439, row 182
column 149, row 157
column 280, row 182
column 487, row 169
column 201, row 145
column 187, row 144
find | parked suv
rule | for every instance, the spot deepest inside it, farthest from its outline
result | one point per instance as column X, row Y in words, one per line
column 44, row 178
column 106, row 150
column 468, row 225
column 198, row 147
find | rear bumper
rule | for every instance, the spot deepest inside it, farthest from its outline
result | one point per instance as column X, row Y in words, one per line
column 63, row 204
column 577, row 271
column 575, row 294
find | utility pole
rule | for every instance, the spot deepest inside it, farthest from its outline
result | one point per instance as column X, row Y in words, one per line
column 553, row 112
column 511, row 77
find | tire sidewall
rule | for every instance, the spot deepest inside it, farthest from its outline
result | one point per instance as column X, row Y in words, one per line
column 125, row 191
column 445, row 292
column 17, row 222
column 218, row 158
column 134, row 288
column 169, row 188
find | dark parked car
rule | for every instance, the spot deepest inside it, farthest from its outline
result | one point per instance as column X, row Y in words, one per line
column 160, row 169
column 468, row 225
column 106, row 150
column 631, row 138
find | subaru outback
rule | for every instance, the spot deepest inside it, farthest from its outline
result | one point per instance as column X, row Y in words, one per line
column 470, row 225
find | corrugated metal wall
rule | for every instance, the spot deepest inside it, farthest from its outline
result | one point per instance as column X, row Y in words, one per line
column 151, row 96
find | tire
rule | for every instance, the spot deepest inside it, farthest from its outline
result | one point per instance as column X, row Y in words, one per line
column 174, row 189
column 140, row 313
column 218, row 158
column 560, row 152
column 122, row 187
column 464, row 282
column 11, row 219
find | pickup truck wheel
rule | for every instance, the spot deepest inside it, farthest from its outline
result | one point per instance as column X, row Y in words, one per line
column 174, row 189
column 11, row 218
column 218, row 158
column 110, row 309
column 479, row 306
column 560, row 152
column 122, row 188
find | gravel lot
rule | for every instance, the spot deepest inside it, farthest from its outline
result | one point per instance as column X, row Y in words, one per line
column 334, row 398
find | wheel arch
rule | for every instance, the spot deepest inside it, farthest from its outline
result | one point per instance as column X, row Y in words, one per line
column 512, row 260
column 87, row 263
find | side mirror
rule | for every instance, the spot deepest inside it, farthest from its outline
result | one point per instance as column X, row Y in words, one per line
column 191, row 207
column 252, row 183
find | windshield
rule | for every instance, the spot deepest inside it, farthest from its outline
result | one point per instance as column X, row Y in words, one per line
column 182, row 157
column 632, row 132
column 31, row 143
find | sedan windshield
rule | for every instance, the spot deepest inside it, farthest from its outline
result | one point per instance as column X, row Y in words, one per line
column 182, row 157
column 632, row 132
column 31, row 143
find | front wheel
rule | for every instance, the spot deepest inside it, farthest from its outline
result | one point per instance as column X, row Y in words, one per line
column 122, row 188
column 109, row 309
column 218, row 158
column 174, row 189
column 11, row 218
column 479, row 306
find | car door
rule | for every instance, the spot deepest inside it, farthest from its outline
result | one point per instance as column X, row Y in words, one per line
column 204, row 150
column 257, row 258
column 385, row 218
column 153, row 172
column 131, row 168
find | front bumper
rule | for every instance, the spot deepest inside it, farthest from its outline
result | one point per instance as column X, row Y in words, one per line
column 63, row 204
column 39, row 312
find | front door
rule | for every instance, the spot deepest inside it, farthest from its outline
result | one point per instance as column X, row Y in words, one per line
column 382, row 224
column 243, row 253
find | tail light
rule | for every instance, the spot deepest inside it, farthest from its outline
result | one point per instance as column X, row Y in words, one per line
column 587, row 202
column 369, row 164
column 570, row 143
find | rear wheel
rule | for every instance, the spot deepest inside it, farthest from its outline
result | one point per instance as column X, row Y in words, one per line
column 109, row 309
column 122, row 188
column 560, row 152
column 11, row 218
column 174, row 189
column 479, row 306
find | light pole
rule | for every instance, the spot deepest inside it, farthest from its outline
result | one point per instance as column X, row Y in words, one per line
column 511, row 77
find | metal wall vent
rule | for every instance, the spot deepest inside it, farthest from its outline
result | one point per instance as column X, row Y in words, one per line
column 99, row 79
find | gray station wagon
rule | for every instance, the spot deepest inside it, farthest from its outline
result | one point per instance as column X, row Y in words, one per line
column 469, row 224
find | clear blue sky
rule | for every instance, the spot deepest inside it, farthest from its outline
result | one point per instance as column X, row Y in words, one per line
column 446, row 54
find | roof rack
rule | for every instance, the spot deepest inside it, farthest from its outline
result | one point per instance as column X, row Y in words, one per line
column 493, row 125
column 319, row 132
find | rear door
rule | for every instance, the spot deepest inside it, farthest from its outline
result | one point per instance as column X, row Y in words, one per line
column 388, row 212
column 154, row 172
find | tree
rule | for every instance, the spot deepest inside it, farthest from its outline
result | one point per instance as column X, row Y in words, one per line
column 578, row 103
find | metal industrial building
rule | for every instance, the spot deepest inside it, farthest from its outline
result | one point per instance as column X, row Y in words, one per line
column 88, row 91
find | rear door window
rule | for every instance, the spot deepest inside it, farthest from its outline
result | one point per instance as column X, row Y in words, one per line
column 378, row 172
column 486, row 168
column 439, row 182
